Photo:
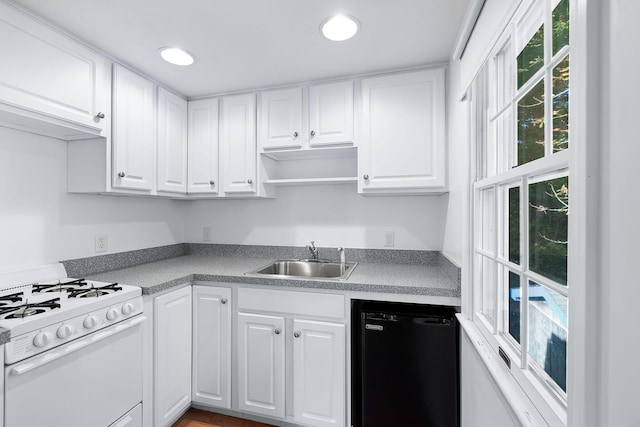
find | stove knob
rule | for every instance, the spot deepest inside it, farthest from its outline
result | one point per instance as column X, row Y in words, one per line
column 127, row 308
column 42, row 339
column 112, row 314
column 90, row 322
column 65, row 331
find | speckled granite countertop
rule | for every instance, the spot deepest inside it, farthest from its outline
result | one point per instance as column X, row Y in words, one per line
column 392, row 278
column 5, row 336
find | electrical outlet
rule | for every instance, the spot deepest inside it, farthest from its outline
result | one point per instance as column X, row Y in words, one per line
column 101, row 242
column 389, row 239
column 206, row 234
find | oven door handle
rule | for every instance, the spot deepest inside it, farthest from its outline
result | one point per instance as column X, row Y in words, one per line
column 75, row 346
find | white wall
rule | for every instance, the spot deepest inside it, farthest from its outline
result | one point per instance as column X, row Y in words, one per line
column 482, row 402
column 620, row 214
column 41, row 223
column 330, row 215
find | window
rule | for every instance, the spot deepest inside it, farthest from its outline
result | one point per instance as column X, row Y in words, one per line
column 521, row 199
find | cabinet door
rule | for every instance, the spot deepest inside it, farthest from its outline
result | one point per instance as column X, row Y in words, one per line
column 172, row 331
column 280, row 119
column 172, row 142
column 212, row 346
column 203, row 146
column 49, row 73
column 238, row 144
column 261, row 364
column 319, row 373
column 403, row 133
column 134, row 136
column 331, row 114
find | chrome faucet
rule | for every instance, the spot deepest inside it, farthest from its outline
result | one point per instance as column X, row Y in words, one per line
column 342, row 256
column 314, row 251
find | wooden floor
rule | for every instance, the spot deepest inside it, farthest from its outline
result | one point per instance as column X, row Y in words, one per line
column 198, row 418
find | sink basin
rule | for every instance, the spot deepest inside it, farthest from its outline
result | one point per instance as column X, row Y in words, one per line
column 308, row 269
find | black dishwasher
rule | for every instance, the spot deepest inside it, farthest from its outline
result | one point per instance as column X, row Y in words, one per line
column 405, row 365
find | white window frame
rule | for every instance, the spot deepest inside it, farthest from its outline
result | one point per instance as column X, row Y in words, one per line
column 551, row 405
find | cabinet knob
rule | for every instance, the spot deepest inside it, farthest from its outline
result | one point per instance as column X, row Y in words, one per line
column 223, row 301
column 313, row 133
column 366, row 177
column 100, row 115
column 212, row 183
column 277, row 331
column 249, row 181
column 295, row 134
column 296, row 334
column 121, row 174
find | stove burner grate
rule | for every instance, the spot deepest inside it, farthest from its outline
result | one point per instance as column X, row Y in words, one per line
column 59, row 287
column 26, row 309
column 94, row 292
column 10, row 299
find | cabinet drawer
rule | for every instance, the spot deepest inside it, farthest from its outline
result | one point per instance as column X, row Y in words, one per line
column 297, row 303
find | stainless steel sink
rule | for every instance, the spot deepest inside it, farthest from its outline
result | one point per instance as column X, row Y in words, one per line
column 308, row 269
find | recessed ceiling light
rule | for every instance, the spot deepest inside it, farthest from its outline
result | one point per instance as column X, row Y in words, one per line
column 176, row 56
column 339, row 28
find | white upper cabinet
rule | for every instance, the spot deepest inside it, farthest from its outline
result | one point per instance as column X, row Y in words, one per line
column 49, row 83
column 331, row 114
column 403, row 133
column 172, row 142
column 203, row 146
column 281, row 119
column 306, row 117
column 134, row 136
column 238, row 144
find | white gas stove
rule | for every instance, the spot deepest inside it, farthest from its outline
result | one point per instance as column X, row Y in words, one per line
column 62, row 330
column 51, row 312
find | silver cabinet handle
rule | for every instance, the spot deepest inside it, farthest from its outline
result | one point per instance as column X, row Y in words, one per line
column 121, row 174
column 277, row 331
column 295, row 134
column 100, row 115
column 313, row 133
column 249, row 181
column 212, row 183
column 296, row 334
column 366, row 177
column 223, row 301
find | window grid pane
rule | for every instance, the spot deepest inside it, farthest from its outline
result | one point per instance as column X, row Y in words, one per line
column 531, row 59
column 488, row 209
column 514, row 299
column 548, row 337
column 561, row 105
column 531, row 125
column 548, row 228
column 489, row 289
column 560, row 26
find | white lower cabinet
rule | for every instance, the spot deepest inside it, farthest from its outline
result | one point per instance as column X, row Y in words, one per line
column 211, row 381
column 289, row 367
column 261, row 364
column 318, row 373
column 172, row 355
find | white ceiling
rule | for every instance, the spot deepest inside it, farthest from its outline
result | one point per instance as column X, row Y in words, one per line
column 246, row 44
